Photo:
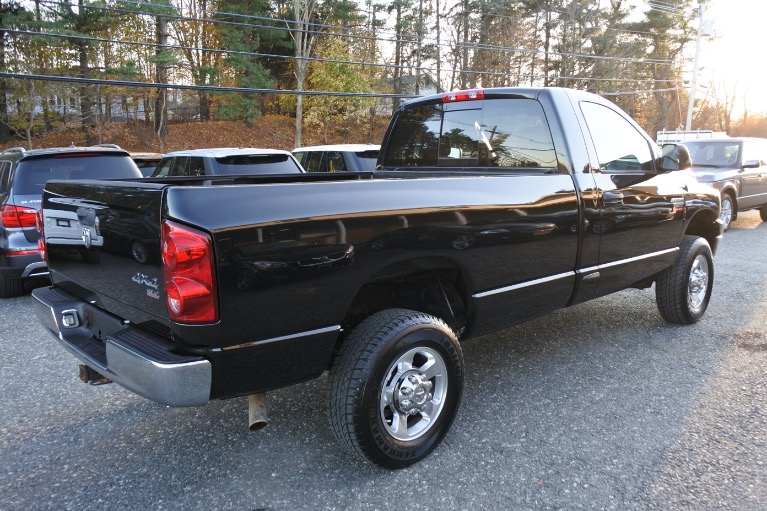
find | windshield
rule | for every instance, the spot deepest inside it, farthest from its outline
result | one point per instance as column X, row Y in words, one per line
column 718, row 154
column 258, row 164
column 32, row 174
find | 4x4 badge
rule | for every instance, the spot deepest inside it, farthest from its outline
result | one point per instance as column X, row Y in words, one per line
column 87, row 237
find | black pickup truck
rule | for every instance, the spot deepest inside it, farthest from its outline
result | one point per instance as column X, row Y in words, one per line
column 487, row 208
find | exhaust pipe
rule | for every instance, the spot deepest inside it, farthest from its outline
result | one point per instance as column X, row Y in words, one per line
column 257, row 411
column 91, row 376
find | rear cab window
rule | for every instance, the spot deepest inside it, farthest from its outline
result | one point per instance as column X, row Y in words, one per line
column 495, row 134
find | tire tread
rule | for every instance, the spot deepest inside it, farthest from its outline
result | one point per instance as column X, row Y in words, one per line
column 346, row 381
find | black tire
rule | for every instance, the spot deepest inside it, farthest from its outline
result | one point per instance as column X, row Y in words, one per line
column 683, row 291
column 392, row 355
column 11, row 287
column 727, row 211
column 763, row 213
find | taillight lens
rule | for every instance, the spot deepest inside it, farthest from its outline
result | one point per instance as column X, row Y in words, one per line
column 188, row 268
column 40, row 224
column 18, row 216
column 463, row 95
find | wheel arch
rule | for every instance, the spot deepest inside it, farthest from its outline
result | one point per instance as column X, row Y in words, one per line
column 434, row 285
column 733, row 193
column 705, row 224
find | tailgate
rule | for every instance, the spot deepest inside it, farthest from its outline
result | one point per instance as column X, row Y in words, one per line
column 103, row 244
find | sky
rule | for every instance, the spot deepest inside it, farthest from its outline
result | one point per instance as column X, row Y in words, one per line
column 735, row 54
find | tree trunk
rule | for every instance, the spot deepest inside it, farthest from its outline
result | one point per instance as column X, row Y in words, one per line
column 161, row 100
column 86, row 97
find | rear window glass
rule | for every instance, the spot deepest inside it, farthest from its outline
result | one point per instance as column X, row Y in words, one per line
column 31, row 175
column 258, row 164
column 503, row 133
column 368, row 159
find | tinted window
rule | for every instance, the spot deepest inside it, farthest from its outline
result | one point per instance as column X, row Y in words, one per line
column 336, row 162
column 196, row 167
column 32, row 174
column 312, row 161
column 619, row 146
column 5, row 176
column 258, row 164
column 163, row 168
column 179, row 166
column 507, row 133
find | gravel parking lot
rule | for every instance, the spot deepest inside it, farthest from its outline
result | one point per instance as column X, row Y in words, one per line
column 600, row 406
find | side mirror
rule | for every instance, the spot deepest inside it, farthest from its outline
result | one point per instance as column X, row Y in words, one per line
column 752, row 164
column 674, row 157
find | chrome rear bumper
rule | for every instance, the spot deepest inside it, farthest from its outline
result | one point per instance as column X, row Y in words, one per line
column 140, row 361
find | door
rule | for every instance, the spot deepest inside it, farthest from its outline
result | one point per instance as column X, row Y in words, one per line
column 641, row 213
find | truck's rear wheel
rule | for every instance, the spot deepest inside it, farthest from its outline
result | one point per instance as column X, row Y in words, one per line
column 684, row 290
column 395, row 386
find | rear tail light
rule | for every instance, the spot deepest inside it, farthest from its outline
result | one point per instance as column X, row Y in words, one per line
column 463, row 95
column 18, row 216
column 40, row 224
column 188, row 268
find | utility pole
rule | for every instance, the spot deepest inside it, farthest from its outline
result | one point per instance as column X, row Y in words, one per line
column 694, row 84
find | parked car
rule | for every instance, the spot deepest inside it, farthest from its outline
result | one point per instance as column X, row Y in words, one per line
column 146, row 162
column 227, row 161
column 22, row 176
column 338, row 158
column 737, row 167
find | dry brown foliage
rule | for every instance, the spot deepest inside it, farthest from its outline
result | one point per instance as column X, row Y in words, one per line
column 269, row 131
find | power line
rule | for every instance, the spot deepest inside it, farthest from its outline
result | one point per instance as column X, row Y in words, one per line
column 210, row 88
column 345, row 32
column 311, row 59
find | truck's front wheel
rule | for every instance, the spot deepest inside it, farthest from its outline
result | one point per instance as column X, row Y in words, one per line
column 395, row 386
column 684, row 290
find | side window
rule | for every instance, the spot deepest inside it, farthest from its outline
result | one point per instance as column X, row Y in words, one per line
column 179, row 166
column 196, row 167
column 336, row 162
column 620, row 147
column 163, row 168
column 312, row 160
column 5, row 176
column 752, row 151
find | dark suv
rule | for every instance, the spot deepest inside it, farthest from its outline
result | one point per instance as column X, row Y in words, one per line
column 22, row 177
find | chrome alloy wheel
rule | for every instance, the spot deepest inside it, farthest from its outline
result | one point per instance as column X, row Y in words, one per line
column 413, row 393
column 725, row 214
column 697, row 284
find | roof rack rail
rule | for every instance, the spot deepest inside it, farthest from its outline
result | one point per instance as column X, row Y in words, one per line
column 17, row 149
column 111, row 146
